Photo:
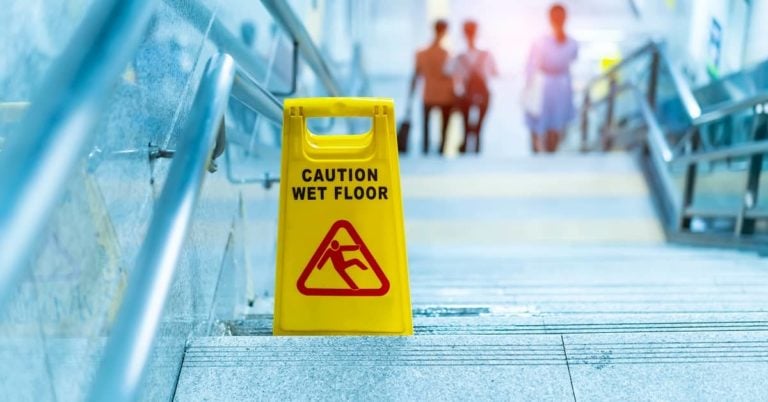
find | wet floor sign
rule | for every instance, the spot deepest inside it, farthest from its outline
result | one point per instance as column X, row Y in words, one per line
column 341, row 262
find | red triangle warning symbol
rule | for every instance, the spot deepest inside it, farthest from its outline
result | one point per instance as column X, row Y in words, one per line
column 356, row 271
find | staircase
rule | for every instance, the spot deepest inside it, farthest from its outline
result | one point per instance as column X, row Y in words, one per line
column 515, row 298
column 128, row 273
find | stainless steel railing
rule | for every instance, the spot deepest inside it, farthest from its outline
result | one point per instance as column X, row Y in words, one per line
column 58, row 128
column 58, row 125
column 128, row 350
column 133, row 333
column 685, row 153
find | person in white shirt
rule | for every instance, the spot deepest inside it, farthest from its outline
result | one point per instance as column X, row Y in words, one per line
column 471, row 70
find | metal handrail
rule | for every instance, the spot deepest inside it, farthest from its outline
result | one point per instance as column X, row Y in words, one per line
column 631, row 58
column 57, row 129
column 284, row 15
column 55, row 132
column 735, row 151
column 656, row 138
column 693, row 109
column 135, row 329
column 691, row 105
column 130, row 345
column 257, row 98
column 723, row 109
column 659, row 142
column 58, row 126
column 663, row 158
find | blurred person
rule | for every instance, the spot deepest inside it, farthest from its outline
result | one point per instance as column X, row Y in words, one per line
column 438, row 86
column 548, row 82
column 472, row 70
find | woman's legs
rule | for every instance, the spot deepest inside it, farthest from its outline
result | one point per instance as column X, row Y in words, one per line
column 425, row 119
column 465, row 107
column 445, row 110
column 472, row 129
column 552, row 141
column 536, row 143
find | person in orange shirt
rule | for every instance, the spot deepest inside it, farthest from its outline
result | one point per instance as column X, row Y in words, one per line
column 438, row 86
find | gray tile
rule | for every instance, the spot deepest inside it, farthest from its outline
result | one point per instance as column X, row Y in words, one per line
column 713, row 366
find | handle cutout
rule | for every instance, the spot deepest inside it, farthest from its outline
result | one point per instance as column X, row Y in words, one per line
column 339, row 125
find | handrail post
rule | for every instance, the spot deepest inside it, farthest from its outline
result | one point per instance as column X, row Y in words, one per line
column 607, row 128
column 653, row 80
column 689, row 185
column 132, row 337
column 745, row 225
column 585, row 121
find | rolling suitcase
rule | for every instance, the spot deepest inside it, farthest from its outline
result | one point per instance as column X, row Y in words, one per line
column 403, row 131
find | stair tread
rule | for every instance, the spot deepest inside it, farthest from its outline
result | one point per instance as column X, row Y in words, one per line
column 454, row 367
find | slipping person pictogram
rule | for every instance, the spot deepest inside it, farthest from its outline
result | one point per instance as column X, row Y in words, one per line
column 335, row 253
column 331, row 249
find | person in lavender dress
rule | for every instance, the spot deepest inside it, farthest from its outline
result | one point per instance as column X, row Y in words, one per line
column 549, row 64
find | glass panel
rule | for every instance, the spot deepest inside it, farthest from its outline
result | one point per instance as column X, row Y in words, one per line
column 269, row 45
column 719, row 187
column 734, row 87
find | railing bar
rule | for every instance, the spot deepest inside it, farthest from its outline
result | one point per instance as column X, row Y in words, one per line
column 753, row 148
column 691, row 105
column 620, row 88
column 57, row 127
column 683, row 89
column 657, row 137
column 132, row 337
column 655, row 134
column 257, row 98
column 660, row 152
column 627, row 60
column 285, row 16
column 723, row 109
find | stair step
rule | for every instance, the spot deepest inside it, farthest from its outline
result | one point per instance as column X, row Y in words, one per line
column 461, row 367
column 481, row 321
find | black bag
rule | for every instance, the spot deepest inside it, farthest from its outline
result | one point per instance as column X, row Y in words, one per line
column 402, row 135
column 404, row 130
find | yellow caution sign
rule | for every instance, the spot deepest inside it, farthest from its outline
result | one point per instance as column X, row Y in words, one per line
column 341, row 258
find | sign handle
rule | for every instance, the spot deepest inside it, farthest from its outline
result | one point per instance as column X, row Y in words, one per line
column 339, row 146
